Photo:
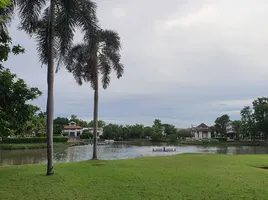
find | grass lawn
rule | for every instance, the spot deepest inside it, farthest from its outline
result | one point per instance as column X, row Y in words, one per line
column 187, row 176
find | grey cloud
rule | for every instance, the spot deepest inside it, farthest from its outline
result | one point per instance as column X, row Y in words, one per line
column 185, row 61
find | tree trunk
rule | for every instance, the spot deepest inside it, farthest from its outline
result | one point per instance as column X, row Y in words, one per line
column 96, row 102
column 50, row 92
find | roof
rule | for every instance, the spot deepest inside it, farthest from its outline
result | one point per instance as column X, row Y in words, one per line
column 72, row 127
column 202, row 125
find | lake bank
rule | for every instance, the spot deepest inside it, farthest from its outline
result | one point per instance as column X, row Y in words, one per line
column 4, row 146
column 225, row 143
column 187, row 176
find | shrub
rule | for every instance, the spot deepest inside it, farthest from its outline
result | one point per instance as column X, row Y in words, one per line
column 40, row 135
column 222, row 139
column 172, row 138
column 33, row 140
column 86, row 135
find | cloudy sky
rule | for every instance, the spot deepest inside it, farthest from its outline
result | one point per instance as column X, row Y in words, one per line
column 186, row 62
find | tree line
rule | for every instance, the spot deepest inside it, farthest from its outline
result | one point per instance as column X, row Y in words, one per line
column 252, row 125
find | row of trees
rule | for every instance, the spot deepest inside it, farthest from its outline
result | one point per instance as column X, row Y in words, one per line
column 53, row 24
column 156, row 132
column 253, row 123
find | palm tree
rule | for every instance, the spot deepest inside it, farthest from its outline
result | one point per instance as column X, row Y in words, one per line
column 86, row 61
column 54, row 31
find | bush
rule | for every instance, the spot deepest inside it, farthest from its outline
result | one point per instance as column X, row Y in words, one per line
column 86, row 135
column 222, row 139
column 40, row 135
column 172, row 138
column 33, row 140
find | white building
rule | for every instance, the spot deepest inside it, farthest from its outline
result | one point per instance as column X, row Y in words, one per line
column 99, row 131
column 230, row 131
column 73, row 130
column 201, row 132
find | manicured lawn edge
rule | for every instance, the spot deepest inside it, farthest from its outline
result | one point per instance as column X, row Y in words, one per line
column 38, row 145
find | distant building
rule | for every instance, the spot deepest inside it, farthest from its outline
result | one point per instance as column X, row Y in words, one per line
column 99, row 131
column 73, row 130
column 201, row 132
column 230, row 131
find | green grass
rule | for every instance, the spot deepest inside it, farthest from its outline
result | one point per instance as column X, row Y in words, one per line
column 37, row 145
column 187, row 176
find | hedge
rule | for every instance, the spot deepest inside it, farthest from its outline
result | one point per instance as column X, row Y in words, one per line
column 33, row 140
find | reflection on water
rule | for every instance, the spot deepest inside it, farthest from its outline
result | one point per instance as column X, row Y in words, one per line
column 114, row 151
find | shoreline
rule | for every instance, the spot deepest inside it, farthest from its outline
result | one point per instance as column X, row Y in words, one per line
column 5, row 146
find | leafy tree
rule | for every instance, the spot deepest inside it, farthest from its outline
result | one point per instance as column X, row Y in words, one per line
column 96, row 56
column 6, row 46
column 170, row 129
column 248, row 123
column 172, row 137
column 86, row 135
column 101, row 123
column 221, row 124
column 148, row 131
column 260, row 107
column 183, row 133
column 14, row 109
column 112, row 131
column 35, row 124
column 237, row 125
column 59, row 124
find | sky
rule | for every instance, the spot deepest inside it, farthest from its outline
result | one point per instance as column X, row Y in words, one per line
column 186, row 62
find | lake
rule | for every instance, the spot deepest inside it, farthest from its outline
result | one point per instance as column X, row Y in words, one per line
column 115, row 151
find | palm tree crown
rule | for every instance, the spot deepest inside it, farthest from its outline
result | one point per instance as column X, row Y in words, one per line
column 103, row 51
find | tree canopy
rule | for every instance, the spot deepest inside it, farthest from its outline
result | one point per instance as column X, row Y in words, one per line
column 15, row 110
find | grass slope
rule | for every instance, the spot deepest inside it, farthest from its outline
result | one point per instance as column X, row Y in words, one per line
column 187, row 176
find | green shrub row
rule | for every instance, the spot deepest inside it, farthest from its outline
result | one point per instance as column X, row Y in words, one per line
column 27, row 140
column 86, row 136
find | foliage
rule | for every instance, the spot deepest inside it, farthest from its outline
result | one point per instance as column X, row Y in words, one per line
column 26, row 140
column 248, row 124
column 156, row 137
column 173, row 137
column 169, row 129
column 184, row 133
column 101, row 123
column 14, row 110
column 260, row 107
column 6, row 46
column 237, row 125
column 221, row 124
column 59, row 124
column 112, row 131
column 86, row 135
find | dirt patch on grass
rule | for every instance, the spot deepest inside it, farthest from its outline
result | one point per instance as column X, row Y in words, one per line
column 262, row 167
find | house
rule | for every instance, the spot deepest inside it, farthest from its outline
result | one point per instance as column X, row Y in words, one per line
column 73, row 130
column 230, row 131
column 99, row 131
column 201, row 132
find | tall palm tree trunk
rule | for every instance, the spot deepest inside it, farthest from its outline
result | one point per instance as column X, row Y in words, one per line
column 96, row 103
column 50, row 92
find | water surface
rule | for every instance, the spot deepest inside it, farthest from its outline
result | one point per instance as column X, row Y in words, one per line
column 114, row 151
